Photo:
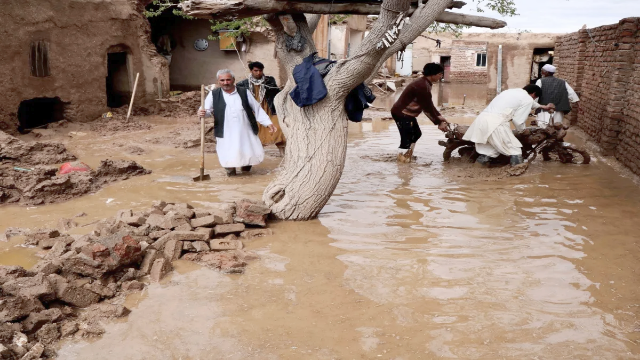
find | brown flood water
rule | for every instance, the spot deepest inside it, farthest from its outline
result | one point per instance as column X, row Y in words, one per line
column 404, row 262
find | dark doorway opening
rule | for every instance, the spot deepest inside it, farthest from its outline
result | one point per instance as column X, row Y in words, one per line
column 541, row 57
column 118, row 82
column 445, row 61
column 37, row 112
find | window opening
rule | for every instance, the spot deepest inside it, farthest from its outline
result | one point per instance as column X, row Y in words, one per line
column 481, row 59
column 39, row 59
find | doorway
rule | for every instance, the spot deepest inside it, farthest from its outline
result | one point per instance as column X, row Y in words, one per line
column 37, row 112
column 445, row 61
column 118, row 82
column 541, row 57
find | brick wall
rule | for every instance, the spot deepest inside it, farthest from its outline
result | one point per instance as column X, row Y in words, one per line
column 603, row 66
column 463, row 62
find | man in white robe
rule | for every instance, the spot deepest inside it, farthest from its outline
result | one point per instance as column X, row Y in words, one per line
column 554, row 91
column 491, row 131
column 236, row 124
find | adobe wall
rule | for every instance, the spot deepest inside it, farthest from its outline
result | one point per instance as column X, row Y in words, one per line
column 190, row 68
column 463, row 62
column 517, row 52
column 79, row 34
column 603, row 65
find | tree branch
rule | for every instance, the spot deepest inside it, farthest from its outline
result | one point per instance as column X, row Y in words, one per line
column 448, row 17
column 369, row 56
column 222, row 9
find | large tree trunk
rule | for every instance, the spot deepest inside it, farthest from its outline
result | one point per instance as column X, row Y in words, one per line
column 316, row 141
column 317, row 135
column 314, row 158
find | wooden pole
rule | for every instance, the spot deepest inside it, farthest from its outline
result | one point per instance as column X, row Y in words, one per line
column 133, row 95
column 202, row 134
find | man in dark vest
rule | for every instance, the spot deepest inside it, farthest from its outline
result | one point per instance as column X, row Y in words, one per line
column 265, row 89
column 236, row 115
column 557, row 92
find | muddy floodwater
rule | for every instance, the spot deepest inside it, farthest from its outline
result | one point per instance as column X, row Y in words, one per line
column 406, row 261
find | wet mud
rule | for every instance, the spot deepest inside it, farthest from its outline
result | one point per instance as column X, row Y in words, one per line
column 404, row 262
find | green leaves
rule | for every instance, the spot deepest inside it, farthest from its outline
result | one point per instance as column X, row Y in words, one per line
column 157, row 7
column 502, row 7
column 238, row 27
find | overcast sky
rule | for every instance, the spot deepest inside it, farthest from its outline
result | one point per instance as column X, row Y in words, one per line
column 562, row 16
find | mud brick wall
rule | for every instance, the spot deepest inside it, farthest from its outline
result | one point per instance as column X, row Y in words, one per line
column 79, row 35
column 603, row 66
column 463, row 62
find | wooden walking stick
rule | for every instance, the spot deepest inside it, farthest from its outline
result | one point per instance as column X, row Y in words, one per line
column 133, row 95
column 202, row 176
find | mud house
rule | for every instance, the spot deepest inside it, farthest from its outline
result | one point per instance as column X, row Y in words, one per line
column 473, row 57
column 74, row 60
column 603, row 66
column 195, row 58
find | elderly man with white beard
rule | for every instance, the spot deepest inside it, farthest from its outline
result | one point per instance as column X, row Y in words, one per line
column 236, row 115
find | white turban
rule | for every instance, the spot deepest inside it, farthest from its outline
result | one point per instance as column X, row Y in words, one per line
column 549, row 68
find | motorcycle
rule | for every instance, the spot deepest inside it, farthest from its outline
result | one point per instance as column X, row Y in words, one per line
column 548, row 141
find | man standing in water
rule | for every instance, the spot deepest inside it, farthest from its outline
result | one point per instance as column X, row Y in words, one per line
column 554, row 91
column 264, row 90
column 416, row 98
column 236, row 115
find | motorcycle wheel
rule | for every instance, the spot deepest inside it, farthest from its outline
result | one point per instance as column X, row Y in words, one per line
column 573, row 154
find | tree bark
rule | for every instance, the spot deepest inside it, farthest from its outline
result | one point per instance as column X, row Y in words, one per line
column 316, row 141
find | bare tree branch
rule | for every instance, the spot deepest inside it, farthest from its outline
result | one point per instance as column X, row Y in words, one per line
column 448, row 17
column 221, row 9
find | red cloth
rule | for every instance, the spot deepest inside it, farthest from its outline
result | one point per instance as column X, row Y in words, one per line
column 76, row 166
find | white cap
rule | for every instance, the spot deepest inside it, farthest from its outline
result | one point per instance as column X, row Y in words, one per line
column 549, row 68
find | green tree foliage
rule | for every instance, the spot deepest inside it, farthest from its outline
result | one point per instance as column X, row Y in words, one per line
column 238, row 27
column 157, row 7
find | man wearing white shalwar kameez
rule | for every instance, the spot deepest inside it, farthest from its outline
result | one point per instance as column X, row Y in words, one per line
column 491, row 131
column 236, row 128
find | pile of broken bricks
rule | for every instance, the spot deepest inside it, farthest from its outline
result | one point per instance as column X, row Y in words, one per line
column 93, row 272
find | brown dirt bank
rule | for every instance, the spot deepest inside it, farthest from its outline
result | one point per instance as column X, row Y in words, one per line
column 28, row 173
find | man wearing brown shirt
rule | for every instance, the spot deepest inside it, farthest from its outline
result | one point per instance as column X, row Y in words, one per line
column 416, row 98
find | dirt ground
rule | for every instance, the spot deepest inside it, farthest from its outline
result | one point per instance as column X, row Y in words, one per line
column 406, row 261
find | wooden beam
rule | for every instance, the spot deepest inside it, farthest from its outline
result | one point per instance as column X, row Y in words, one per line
column 234, row 9
column 448, row 17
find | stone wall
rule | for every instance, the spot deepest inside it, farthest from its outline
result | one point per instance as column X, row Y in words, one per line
column 463, row 62
column 78, row 35
column 603, row 66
